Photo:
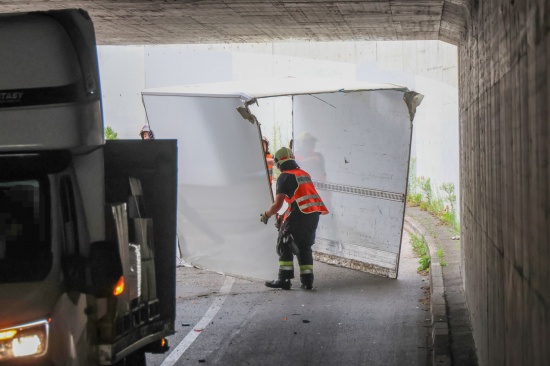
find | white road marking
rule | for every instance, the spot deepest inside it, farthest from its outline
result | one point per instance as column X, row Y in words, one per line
column 176, row 354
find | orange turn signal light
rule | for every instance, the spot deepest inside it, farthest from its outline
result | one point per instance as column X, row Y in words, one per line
column 119, row 288
column 163, row 342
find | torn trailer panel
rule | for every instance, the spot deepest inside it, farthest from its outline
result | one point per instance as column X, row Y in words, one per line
column 356, row 148
column 361, row 134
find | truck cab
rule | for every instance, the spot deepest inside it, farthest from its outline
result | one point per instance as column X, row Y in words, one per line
column 87, row 228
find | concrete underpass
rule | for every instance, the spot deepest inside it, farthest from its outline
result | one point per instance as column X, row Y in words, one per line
column 351, row 318
column 503, row 52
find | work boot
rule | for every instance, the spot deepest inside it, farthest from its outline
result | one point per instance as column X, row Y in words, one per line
column 307, row 281
column 284, row 284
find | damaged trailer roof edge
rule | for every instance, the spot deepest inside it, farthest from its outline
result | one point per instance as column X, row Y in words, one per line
column 258, row 89
column 247, row 97
column 243, row 96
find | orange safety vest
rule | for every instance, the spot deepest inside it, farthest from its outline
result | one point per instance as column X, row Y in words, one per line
column 269, row 167
column 305, row 196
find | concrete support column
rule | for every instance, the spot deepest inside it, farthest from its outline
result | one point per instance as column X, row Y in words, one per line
column 505, row 198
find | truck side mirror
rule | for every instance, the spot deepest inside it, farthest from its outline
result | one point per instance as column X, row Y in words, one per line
column 99, row 274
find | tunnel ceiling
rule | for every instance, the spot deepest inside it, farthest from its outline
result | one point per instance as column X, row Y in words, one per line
column 125, row 22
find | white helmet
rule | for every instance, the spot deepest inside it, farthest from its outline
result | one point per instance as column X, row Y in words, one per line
column 146, row 128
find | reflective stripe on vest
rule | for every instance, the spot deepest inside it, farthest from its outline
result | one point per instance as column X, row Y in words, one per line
column 306, row 196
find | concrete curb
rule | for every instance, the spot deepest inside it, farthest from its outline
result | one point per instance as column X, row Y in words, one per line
column 440, row 326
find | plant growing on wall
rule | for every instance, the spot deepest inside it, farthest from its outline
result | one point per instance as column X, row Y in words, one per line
column 436, row 206
column 426, row 188
column 448, row 216
column 412, row 176
column 423, row 200
column 414, row 198
column 450, row 196
column 426, row 200
column 110, row 134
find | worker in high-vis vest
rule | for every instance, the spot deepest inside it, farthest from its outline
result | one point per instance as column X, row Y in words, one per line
column 268, row 159
column 297, row 231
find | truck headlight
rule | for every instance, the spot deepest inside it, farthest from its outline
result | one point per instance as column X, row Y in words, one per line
column 29, row 339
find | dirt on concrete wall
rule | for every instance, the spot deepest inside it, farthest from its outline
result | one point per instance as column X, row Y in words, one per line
column 504, row 132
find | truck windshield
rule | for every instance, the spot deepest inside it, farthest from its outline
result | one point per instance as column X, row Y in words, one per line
column 25, row 253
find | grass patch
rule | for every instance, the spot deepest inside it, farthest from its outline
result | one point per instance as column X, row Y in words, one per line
column 421, row 250
column 424, row 205
column 414, row 199
column 441, row 256
column 449, row 219
column 420, row 194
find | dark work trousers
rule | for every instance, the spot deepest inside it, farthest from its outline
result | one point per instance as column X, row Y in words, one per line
column 302, row 227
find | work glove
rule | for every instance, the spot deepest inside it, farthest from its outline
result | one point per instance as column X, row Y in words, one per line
column 264, row 218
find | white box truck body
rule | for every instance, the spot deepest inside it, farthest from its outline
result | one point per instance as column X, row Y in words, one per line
column 352, row 137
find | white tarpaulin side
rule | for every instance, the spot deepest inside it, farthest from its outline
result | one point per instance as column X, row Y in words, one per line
column 222, row 184
column 356, row 148
column 359, row 161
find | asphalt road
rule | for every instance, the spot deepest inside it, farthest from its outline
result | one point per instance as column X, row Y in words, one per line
column 350, row 318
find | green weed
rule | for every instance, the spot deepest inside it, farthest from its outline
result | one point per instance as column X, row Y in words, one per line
column 412, row 181
column 424, row 205
column 421, row 250
column 441, row 257
column 420, row 193
column 426, row 188
column 414, row 199
column 110, row 134
column 424, row 263
column 450, row 196
column 436, row 206
column 449, row 219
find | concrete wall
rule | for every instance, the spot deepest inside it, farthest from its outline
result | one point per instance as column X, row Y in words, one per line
column 504, row 136
column 122, row 74
column 127, row 70
column 430, row 67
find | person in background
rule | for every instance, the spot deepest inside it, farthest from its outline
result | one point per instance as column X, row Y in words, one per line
column 268, row 159
column 309, row 158
column 146, row 133
column 297, row 231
